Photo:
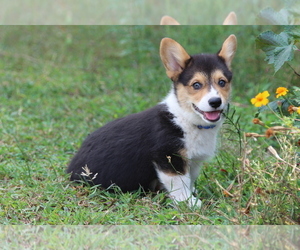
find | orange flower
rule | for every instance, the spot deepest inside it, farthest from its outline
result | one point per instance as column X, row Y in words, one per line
column 270, row 132
column 292, row 109
column 281, row 91
column 260, row 99
column 257, row 121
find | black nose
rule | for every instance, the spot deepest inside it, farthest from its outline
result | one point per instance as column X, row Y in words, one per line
column 215, row 102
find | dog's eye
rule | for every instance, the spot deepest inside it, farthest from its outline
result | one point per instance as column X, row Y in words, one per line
column 222, row 83
column 197, row 85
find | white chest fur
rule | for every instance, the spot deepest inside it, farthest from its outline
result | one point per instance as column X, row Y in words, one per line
column 200, row 144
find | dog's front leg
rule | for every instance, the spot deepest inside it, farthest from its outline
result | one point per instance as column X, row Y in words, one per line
column 179, row 187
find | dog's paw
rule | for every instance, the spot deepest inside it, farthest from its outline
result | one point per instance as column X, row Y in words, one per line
column 194, row 202
column 191, row 201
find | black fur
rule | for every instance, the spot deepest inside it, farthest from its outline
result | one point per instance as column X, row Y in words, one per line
column 205, row 63
column 123, row 151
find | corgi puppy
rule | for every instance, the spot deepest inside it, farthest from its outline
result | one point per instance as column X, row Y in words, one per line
column 231, row 19
column 163, row 147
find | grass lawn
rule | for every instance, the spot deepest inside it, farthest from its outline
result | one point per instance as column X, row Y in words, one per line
column 59, row 83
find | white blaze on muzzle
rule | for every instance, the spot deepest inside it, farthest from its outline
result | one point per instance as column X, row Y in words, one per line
column 210, row 106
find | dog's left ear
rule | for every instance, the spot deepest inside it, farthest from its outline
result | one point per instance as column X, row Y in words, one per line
column 228, row 50
column 174, row 57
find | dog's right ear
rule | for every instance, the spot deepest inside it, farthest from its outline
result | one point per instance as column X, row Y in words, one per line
column 167, row 20
column 228, row 50
column 173, row 56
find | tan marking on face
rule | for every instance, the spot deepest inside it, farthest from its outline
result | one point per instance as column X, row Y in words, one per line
column 188, row 95
column 224, row 92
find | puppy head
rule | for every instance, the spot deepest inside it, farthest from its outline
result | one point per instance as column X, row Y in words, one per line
column 202, row 82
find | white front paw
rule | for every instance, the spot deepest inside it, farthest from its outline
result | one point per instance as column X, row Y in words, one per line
column 194, row 202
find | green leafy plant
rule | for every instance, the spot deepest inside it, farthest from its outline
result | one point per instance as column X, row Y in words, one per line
column 279, row 48
column 287, row 15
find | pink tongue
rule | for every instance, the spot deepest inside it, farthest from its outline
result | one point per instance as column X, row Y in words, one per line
column 212, row 116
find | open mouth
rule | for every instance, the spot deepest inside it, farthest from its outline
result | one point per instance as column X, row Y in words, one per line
column 211, row 116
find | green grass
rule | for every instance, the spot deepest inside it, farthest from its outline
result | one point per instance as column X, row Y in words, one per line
column 59, row 83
